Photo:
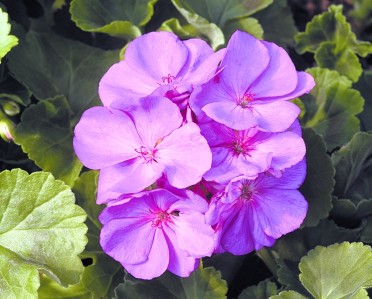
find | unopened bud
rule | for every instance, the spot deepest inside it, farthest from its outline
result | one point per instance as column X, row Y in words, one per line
column 6, row 127
column 10, row 108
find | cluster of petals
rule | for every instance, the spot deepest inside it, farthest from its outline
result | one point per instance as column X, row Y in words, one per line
column 181, row 124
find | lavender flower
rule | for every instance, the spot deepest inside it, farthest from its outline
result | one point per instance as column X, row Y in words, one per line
column 158, row 231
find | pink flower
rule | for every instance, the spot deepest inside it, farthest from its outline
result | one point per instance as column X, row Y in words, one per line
column 251, row 213
column 160, row 59
column 250, row 152
column 137, row 141
column 158, row 231
column 256, row 80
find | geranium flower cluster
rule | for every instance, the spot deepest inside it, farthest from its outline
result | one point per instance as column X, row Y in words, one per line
column 198, row 152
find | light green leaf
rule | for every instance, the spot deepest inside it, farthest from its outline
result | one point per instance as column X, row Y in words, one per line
column 277, row 23
column 289, row 295
column 45, row 133
column 319, row 182
column 250, row 25
column 337, row 271
column 263, row 290
column 329, row 36
column 202, row 284
column 115, row 17
column 7, row 41
column 182, row 31
column 210, row 30
column 353, row 163
column 74, row 73
column 331, row 107
column 41, row 225
column 17, row 278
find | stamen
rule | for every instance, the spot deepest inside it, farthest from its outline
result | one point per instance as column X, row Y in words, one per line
column 245, row 101
column 168, row 79
column 161, row 217
column 147, row 154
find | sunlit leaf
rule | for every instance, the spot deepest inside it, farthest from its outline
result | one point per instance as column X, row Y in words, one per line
column 7, row 41
column 182, row 31
column 329, row 36
column 41, row 228
column 250, row 25
column 117, row 18
column 337, row 271
column 289, row 295
column 331, row 107
column 319, row 181
column 45, row 133
column 202, row 284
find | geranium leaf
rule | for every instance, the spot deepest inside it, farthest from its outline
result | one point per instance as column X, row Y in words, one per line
column 331, row 107
column 117, row 18
column 74, row 73
column 364, row 85
column 319, row 181
column 7, row 41
column 203, row 283
column 329, row 36
column 353, row 163
column 104, row 274
column 289, row 295
column 182, row 31
column 277, row 23
column 337, row 271
column 41, row 226
column 263, row 290
column 204, row 27
column 45, row 133
column 250, row 25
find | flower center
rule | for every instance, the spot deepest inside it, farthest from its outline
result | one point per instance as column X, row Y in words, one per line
column 245, row 101
column 246, row 191
column 147, row 154
column 168, row 79
column 162, row 216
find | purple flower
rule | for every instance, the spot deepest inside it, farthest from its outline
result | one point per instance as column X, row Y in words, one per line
column 137, row 141
column 251, row 213
column 160, row 59
column 251, row 90
column 250, row 152
column 157, row 231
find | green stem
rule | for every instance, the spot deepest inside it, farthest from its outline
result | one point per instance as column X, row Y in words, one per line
column 268, row 257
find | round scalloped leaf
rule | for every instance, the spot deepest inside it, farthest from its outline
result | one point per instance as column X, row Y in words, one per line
column 337, row 271
column 319, row 181
column 263, row 290
column 202, row 284
column 41, row 225
column 115, row 17
column 7, row 42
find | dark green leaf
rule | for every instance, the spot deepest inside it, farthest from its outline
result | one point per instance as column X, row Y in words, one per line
column 319, row 181
column 364, row 85
column 338, row 271
column 115, row 17
column 202, row 284
column 45, row 133
column 329, row 36
column 263, row 290
column 331, row 107
column 50, row 65
column 277, row 23
column 41, row 226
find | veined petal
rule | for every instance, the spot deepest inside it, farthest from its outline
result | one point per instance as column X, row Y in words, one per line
column 130, row 177
column 157, row 262
column 177, row 152
column 275, row 116
column 103, row 138
column 245, row 59
column 158, row 53
column 179, row 263
column 128, row 240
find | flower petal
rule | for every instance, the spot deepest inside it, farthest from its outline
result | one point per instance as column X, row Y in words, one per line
column 103, row 138
column 280, row 76
column 275, row 116
column 130, row 177
column 128, row 240
column 157, row 262
column 177, row 152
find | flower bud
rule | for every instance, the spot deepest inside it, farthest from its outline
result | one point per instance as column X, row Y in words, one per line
column 10, row 108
